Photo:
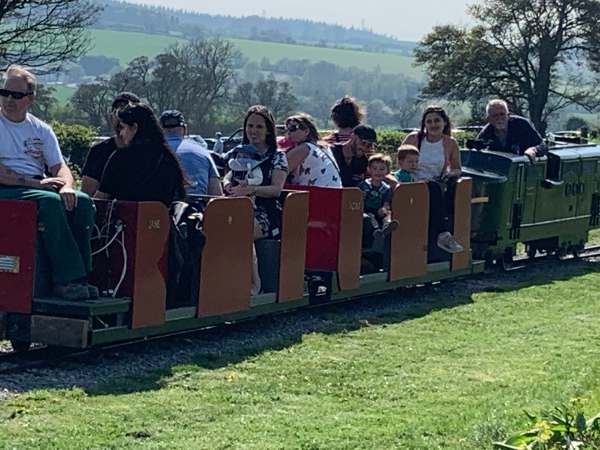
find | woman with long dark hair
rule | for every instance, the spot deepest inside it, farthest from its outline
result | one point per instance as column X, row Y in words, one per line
column 439, row 166
column 259, row 131
column 146, row 169
column 310, row 163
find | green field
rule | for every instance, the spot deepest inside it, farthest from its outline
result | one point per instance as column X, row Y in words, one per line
column 389, row 63
column 63, row 93
column 451, row 366
column 126, row 45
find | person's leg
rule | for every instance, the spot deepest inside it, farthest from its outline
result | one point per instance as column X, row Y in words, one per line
column 437, row 209
column 439, row 224
column 54, row 233
column 369, row 227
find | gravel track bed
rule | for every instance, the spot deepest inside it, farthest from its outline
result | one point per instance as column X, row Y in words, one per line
column 228, row 344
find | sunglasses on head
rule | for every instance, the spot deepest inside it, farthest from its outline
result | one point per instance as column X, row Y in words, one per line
column 292, row 128
column 14, row 94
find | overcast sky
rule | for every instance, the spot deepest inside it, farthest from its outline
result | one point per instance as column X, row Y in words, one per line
column 405, row 19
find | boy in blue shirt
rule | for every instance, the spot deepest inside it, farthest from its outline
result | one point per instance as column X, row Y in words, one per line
column 408, row 161
column 377, row 215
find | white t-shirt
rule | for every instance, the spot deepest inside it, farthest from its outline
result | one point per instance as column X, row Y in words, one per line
column 27, row 147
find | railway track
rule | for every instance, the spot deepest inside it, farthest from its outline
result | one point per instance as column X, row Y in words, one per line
column 41, row 357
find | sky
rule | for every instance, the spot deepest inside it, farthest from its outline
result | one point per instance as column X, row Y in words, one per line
column 407, row 20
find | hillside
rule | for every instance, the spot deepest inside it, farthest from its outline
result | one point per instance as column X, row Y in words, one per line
column 119, row 15
column 111, row 44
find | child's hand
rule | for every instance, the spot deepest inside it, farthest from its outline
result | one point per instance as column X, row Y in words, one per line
column 383, row 211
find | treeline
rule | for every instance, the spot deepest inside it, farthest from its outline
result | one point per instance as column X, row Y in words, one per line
column 206, row 81
column 119, row 15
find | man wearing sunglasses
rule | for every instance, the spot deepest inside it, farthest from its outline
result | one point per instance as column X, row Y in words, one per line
column 353, row 156
column 99, row 154
column 28, row 150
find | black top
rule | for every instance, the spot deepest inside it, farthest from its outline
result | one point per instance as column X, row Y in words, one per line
column 351, row 174
column 520, row 135
column 97, row 158
column 141, row 173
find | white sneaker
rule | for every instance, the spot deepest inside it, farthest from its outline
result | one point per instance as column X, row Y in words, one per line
column 447, row 243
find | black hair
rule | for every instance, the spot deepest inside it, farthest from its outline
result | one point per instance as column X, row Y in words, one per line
column 149, row 133
column 347, row 112
column 264, row 112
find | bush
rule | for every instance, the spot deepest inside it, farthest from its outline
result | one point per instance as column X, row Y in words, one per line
column 576, row 123
column 75, row 141
column 389, row 140
column 563, row 428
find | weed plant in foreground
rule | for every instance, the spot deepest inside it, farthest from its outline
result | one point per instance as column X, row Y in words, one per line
column 450, row 366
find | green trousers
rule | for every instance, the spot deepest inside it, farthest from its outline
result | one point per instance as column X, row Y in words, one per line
column 63, row 235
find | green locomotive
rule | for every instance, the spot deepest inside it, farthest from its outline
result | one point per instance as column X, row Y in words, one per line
column 549, row 205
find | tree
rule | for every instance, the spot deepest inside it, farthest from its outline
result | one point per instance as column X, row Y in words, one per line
column 45, row 102
column 94, row 100
column 278, row 96
column 539, row 55
column 44, row 33
column 191, row 77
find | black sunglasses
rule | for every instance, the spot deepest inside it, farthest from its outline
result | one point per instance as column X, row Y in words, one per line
column 14, row 94
column 292, row 128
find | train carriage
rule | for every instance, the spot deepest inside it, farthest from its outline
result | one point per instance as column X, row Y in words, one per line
column 317, row 259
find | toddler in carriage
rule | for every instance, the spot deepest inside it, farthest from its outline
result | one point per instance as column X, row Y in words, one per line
column 377, row 216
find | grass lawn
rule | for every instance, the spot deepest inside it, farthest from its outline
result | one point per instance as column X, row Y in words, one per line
column 447, row 366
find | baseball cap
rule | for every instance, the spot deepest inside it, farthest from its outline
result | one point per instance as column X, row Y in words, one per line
column 171, row 118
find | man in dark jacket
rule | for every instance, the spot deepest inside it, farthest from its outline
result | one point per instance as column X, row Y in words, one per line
column 510, row 133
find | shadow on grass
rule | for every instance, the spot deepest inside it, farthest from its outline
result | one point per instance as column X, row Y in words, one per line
column 144, row 367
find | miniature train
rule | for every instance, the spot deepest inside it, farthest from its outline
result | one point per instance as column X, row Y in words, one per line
column 503, row 200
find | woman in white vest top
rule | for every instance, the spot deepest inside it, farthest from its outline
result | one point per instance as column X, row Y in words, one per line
column 439, row 166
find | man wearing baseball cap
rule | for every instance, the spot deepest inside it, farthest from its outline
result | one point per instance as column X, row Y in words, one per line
column 99, row 154
column 353, row 156
column 199, row 167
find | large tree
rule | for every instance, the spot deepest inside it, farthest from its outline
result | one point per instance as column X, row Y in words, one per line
column 44, row 33
column 539, row 55
column 193, row 78
column 277, row 95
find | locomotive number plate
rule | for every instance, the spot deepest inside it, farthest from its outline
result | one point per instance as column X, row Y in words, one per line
column 9, row 264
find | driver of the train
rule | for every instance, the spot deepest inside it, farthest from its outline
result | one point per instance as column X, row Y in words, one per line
column 29, row 148
column 511, row 133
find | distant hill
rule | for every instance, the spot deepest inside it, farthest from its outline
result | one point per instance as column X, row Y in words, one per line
column 127, row 45
column 119, row 15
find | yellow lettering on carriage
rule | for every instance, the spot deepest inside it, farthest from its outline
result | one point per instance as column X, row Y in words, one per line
column 154, row 224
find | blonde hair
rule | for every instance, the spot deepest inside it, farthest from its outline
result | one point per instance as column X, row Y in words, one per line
column 16, row 71
column 380, row 157
column 405, row 150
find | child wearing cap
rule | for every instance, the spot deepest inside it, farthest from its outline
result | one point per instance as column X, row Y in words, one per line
column 244, row 167
column 377, row 216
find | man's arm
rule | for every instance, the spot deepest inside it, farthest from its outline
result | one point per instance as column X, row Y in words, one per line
column 67, row 193
column 89, row 185
column 9, row 177
column 532, row 140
